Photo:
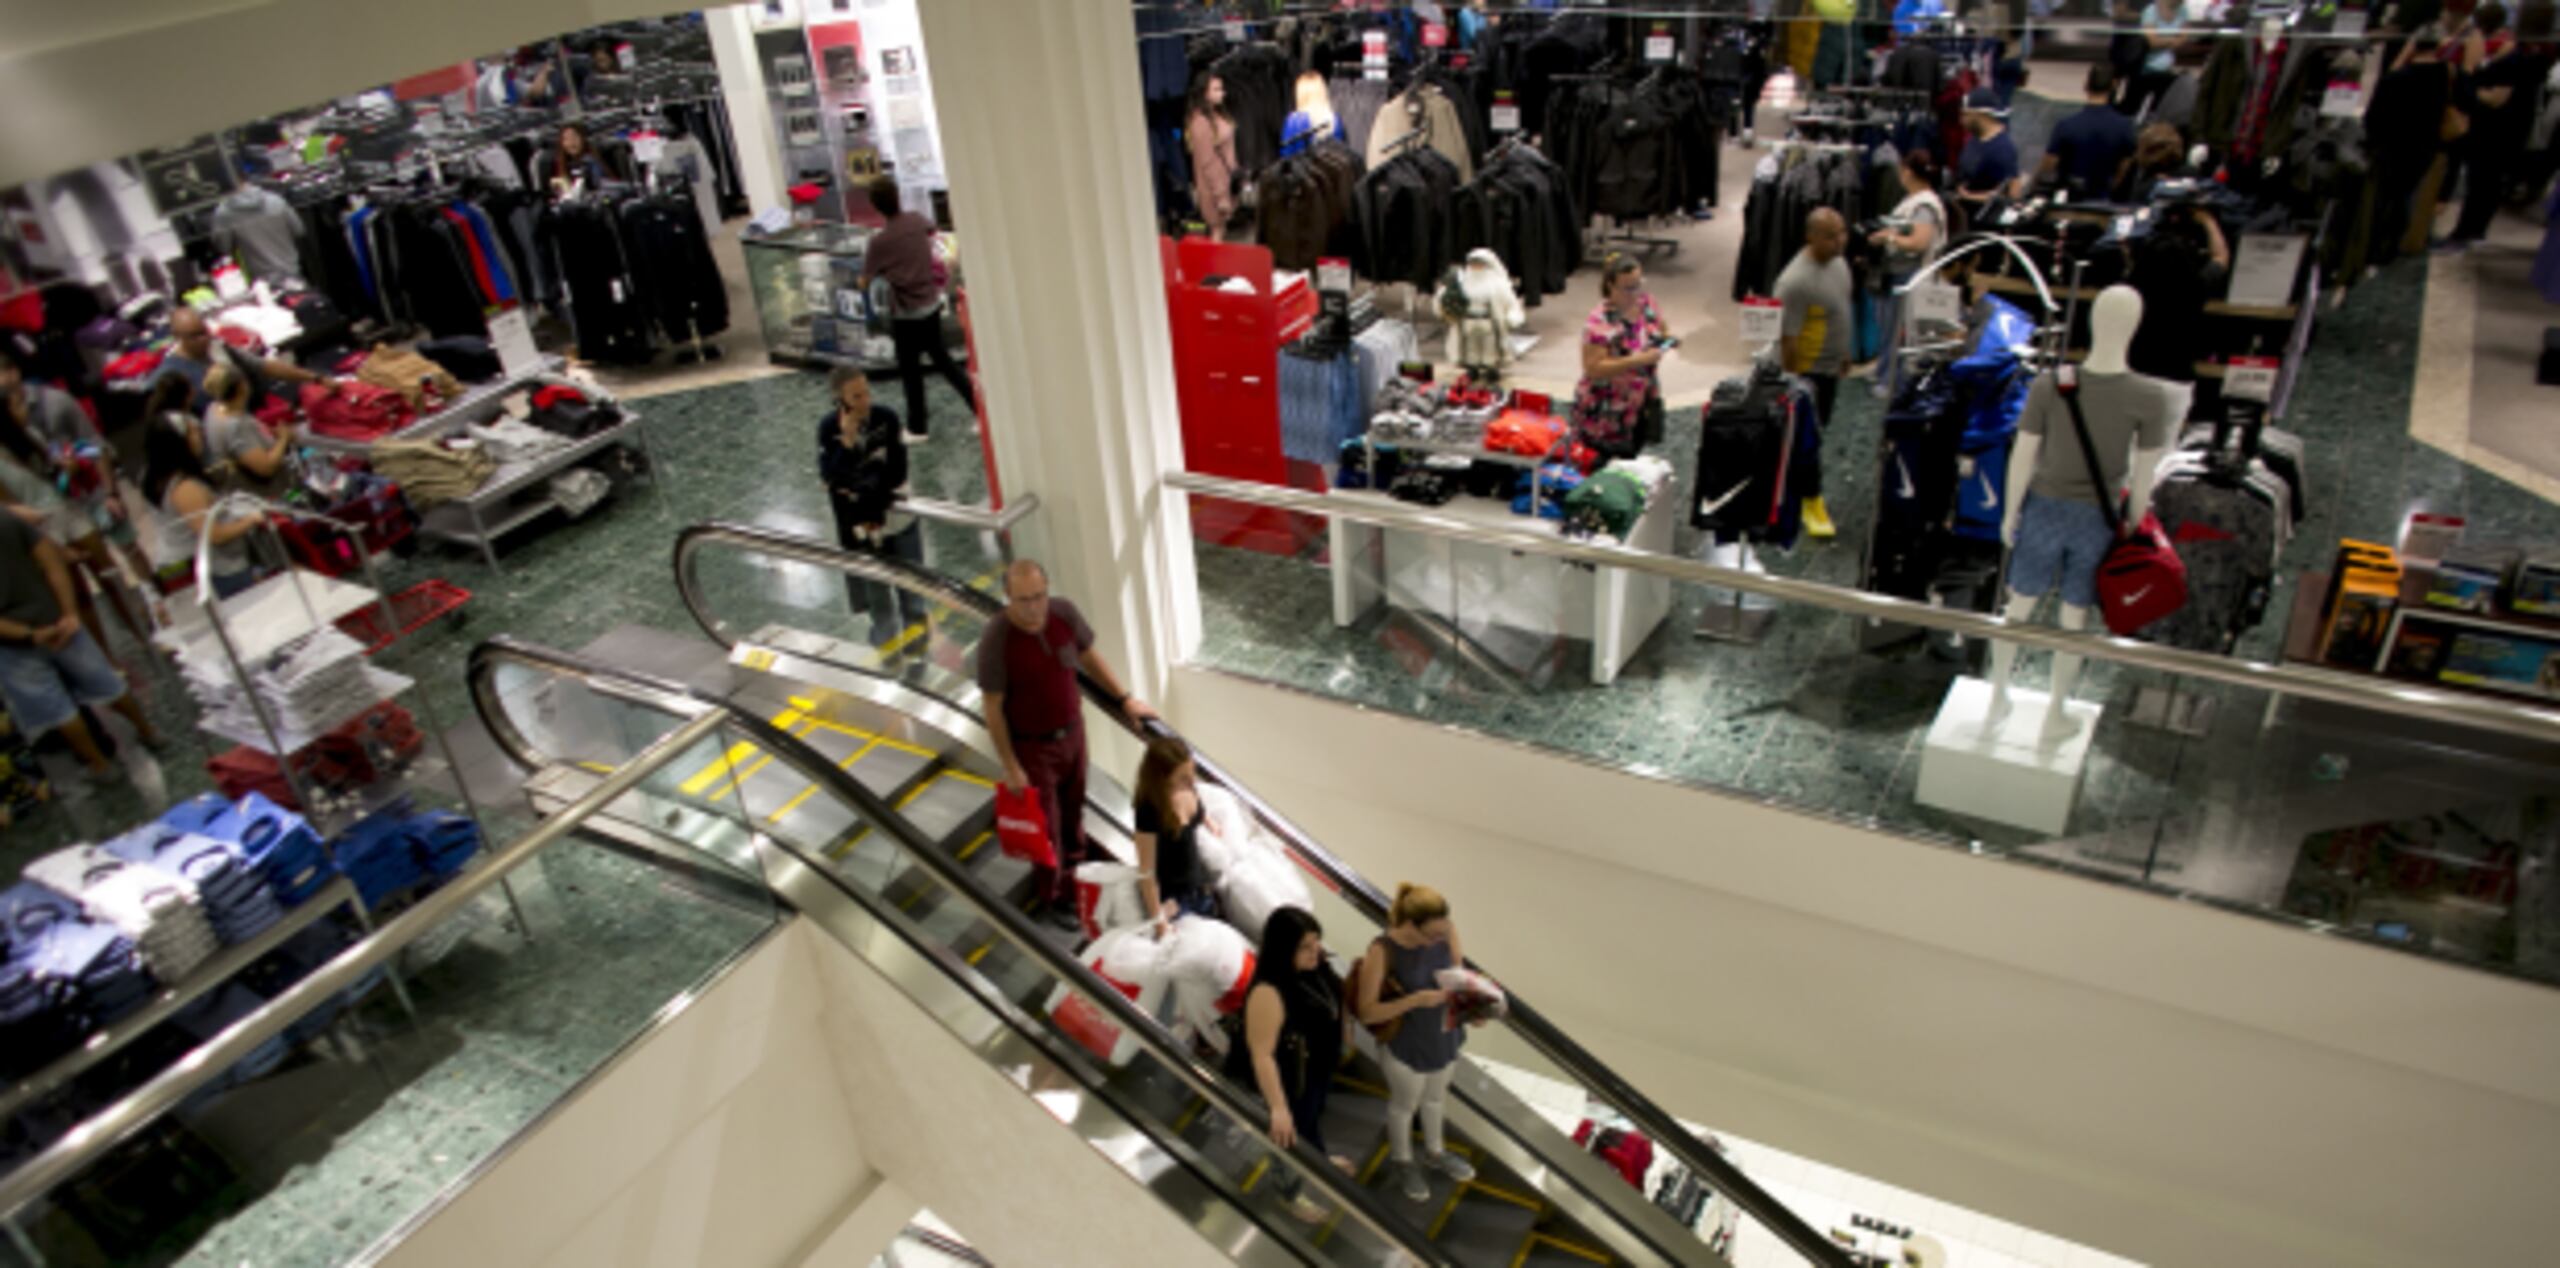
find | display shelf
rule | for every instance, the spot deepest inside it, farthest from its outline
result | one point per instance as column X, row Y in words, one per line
column 270, row 614
column 222, row 967
column 384, row 683
column 463, row 409
column 382, row 792
column 491, row 512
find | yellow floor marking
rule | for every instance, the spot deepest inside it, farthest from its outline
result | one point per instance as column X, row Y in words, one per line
column 812, row 790
column 981, row 953
column 1376, row 1160
column 1371, row 1089
column 1570, row 1248
column 973, row 846
column 1506, row 1195
column 717, row 770
column 1182, row 1122
column 1441, row 1221
column 1259, row 1168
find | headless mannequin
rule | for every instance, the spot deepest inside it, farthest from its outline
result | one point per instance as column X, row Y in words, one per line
column 2112, row 321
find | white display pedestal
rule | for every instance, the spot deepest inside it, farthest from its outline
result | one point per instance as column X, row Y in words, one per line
column 1468, row 585
column 2008, row 776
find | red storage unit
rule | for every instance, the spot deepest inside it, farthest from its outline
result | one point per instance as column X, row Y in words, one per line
column 1226, row 327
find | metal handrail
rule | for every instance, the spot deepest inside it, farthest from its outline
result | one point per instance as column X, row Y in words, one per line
column 961, row 515
column 102, row 1131
column 2359, row 691
column 1168, row 1052
column 1712, row 1168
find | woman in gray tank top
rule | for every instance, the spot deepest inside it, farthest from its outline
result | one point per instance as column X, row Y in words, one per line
column 1399, row 983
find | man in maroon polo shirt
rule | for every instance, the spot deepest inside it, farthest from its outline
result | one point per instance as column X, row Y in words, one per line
column 1027, row 670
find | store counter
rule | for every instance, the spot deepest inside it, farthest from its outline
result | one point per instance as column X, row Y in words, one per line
column 1483, row 590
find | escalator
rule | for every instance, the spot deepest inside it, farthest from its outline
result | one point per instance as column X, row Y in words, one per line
column 860, row 787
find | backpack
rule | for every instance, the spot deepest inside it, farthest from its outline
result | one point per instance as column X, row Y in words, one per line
column 1388, row 989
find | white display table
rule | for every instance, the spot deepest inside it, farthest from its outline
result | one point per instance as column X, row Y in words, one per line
column 1470, row 586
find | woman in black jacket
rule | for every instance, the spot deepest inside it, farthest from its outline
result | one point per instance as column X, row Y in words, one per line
column 862, row 456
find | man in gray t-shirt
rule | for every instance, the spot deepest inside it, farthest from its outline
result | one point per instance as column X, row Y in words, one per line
column 1813, row 337
column 2126, row 412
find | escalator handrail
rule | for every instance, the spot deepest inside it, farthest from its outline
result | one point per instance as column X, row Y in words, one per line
column 1711, row 1167
column 954, row 876
column 102, row 1131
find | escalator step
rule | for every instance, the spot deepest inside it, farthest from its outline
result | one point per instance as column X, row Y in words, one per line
column 884, row 770
column 941, row 806
column 1546, row 1252
column 1482, row 1230
column 1354, row 1122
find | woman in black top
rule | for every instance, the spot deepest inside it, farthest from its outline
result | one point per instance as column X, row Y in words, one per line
column 1168, row 815
column 863, row 459
column 1293, row 1038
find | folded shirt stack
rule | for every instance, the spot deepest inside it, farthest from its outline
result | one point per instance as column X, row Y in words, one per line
column 234, row 896
column 445, row 841
column 308, row 685
column 274, row 842
column 380, row 855
column 83, row 974
column 156, row 908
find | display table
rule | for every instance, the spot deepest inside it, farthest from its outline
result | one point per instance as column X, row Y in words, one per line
column 2494, row 653
column 519, row 492
column 1472, row 586
column 479, row 403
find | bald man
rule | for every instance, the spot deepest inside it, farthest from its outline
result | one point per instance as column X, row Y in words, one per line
column 1026, row 667
column 197, row 352
column 1814, row 332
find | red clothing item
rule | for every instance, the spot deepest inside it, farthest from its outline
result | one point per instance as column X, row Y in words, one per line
column 480, row 275
column 1036, row 673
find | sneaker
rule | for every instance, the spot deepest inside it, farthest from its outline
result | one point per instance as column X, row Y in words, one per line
column 2451, row 246
column 915, row 437
column 1817, row 520
column 1410, row 1181
column 1059, row 916
column 1453, row 1166
column 1304, row 1209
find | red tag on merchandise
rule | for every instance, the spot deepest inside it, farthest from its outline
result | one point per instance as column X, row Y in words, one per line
column 1435, row 35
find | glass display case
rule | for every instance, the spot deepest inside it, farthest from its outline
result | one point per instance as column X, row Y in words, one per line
column 808, row 287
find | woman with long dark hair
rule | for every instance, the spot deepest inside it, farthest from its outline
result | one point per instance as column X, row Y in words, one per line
column 1166, row 809
column 1210, row 134
column 175, row 480
column 1293, row 1039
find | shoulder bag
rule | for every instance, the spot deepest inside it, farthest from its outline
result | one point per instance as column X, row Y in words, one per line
column 1388, row 989
column 2141, row 579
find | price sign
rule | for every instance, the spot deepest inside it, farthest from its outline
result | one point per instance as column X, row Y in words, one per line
column 1762, row 319
column 1373, row 55
column 1658, row 47
column 849, row 305
column 2264, row 268
column 628, row 60
column 1938, row 303
column 1235, row 31
column 1505, row 112
column 2251, row 379
column 1333, row 274
column 512, row 339
column 647, row 148
column 2343, row 100
column 1435, row 35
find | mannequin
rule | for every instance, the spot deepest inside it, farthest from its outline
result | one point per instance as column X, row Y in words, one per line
column 1485, row 312
column 2048, row 467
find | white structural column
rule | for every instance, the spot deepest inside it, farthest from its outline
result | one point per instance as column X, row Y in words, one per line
column 742, row 89
column 1044, row 137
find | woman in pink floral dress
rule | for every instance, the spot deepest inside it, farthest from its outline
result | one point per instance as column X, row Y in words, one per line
column 1622, row 342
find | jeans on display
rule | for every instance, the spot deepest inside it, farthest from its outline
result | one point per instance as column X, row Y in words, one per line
column 892, row 610
column 918, row 340
column 1889, row 366
column 1056, row 768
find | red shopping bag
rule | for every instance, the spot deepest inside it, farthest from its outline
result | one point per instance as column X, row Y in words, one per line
column 1021, row 830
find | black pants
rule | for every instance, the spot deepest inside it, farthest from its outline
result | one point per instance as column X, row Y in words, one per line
column 2395, row 187
column 2147, row 88
column 920, row 338
column 891, row 609
column 1826, row 392
column 2486, row 190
